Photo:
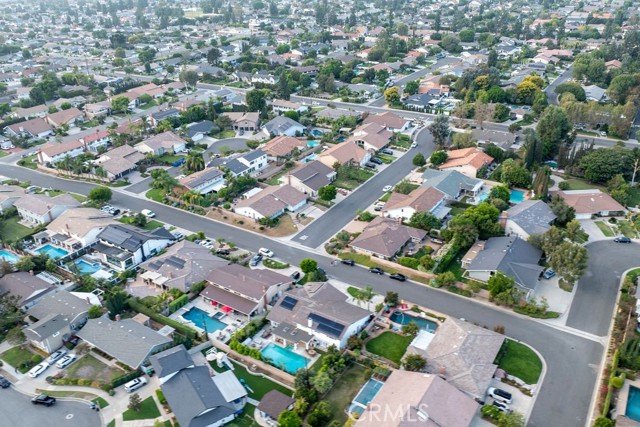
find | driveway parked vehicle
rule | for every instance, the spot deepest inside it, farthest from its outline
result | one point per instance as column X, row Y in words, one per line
column 55, row 356
column 38, row 369
column 66, row 361
column 500, row 395
column 255, row 260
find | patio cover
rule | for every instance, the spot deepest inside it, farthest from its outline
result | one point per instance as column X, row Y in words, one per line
column 229, row 300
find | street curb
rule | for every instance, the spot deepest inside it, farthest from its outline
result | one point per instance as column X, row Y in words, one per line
column 543, row 374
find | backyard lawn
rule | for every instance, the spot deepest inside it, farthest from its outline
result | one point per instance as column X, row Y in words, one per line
column 16, row 356
column 344, row 390
column 148, row 410
column 389, row 345
column 90, row 367
column 258, row 384
column 578, row 184
column 12, row 231
column 169, row 158
column 520, row 361
column 246, row 419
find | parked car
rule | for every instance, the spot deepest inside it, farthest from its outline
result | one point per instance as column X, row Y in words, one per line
column 148, row 213
column 376, row 270
column 43, row 399
column 548, row 273
column 414, row 145
column 348, row 262
column 66, row 361
column 500, row 395
column 399, row 277
column 295, row 275
column 4, row 383
column 178, row 235
column 376, row 160
column 370, row 165
column 255, row 260
column 502, row 407
column 622, row 239
column 114, row 211
column 38, row 369
column 106, row 208
column 135, row 384
column 266, row 252
column 377, row 208
column 223, row 252
column 386, row 189
column 321, row 271
column 55, row 356
column 387, row 151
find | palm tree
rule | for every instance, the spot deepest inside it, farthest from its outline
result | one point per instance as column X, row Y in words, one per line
column 194, row 162
column 367, row 295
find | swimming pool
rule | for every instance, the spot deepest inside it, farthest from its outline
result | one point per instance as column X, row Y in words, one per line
column 552, row 163
column 86, row 267
column 312, row 144
column 8, row 256
column 200, row 318
column 483, row 196
column 316, row 132
column 517, row 196
column 365, row 396
column 284, row 358
column 404, row 319
column 633, row 404
column 309, row 158
column 52, row 251
column 340, row 139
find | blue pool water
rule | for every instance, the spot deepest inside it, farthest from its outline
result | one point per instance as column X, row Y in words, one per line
column 52, row 251
column 312, row 144
column 8, row 256
column 201, row 317
column 340, row 139
column 633, row 404
column 309, row 158
column 284, row 359
column 87, row 267
column 316, row 132
column 483, row 196
column 552, row 163
column 404, row 319
column 517, row 196
column 365, row 396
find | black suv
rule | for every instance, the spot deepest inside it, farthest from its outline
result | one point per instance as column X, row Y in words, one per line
column 399, row 277
column 348, row 262
column 43, row 399
column 370, row 165
column 376, row 270
column 4, row 383
column 376, row 160
column 622, row 240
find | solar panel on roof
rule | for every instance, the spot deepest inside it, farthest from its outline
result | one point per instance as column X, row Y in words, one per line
column 288, row 303
column 175, row 262
column 326, row 325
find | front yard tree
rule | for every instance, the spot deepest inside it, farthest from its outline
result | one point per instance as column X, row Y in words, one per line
column 189, row 78
column 412, row 87
column 414, row 362
column 438, row 157
column 419, row 160
column 15, row 336
column 392, row 95
column 502, row 289
column 391, row 298
column 308, row 265
column 100, row 194
column 553, row 129
column 328, row 193
column 120, row 104
column 135, row 403
column 194, row 162
column 569, row 261
column 440, row 130
column 213, row 55
column 256, row 100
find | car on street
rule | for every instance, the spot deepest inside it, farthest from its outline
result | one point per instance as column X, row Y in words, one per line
column 622, row 239
column 603, row 133
column 148, row 213
column 376, row 270
column 38, row 369
column 377, row 208
column 4, row 383
column 178, row 235
column 43, row 399
column 548, row 273
column 348, row 262
column 114, row 211
column 500, row 395
column 399, row 277
column 255, row 260
column 66, row 361
column 55, row 356
column 266, row 252
column 502, row 407
column 414, row 145
column 387, row 188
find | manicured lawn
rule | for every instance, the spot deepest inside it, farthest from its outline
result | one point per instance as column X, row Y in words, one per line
column 578, row 184
column 88, row 367
column 169, row 158
column 112, row 423
column 522, row 362
column 148, row 410
column 627, row 229
column 385, row 158
column 156, row 194
column 457, row 211
column 100, row 402
column 28, row 162
column 258, row 384
column 78, row 197
column 604, row 228
column 150, row 225
column 16, row 356
column 148, row 105
column 345, row 389
column 12, row 231
column 351, row 177
column 389, row 345
column 226, row 134
column 246, row 418
column 3, row 153
column 386, row 196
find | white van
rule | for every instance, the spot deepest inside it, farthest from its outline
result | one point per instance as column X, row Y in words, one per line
column 135, row 384
column 148, row 213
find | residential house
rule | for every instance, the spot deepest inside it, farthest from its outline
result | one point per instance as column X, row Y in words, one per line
column 426, row 199
column 251, row 163
column 196, row 398
column 467, row 161
column 425, row 399
column 310, row 177
column 271, row 202
column 119, row 161
column 316, row 315
column 36, row 209
column 245, row 122
column 124, row 246
column 34, row 128
column 424, row 102
column 98, row 109
column 30, row 113
column 234, row 288
column 8, row 196
column 452, row 183
column 372, row 137
column 334, row 114
column 391, row 121
column 125, row 340
column 158, row 116
column 365, row 91
column 509, row 255
column 283, row 147
column 504, row 140
column 205, row 181
column 590, row 203
column 595, row 93
column 69, row 117
column 53, row 152
column 463, row 355
column 385, row 238
column 96, row 141
column 182, row 265
column 527, row 218
column 163, row 143
column 274, row 403
column 281, row 125
column 197, row 131
column 59, row 315
column 27, row 287
column 282, row 106
column 77, row 228
column 346, row 153
column 264, row 78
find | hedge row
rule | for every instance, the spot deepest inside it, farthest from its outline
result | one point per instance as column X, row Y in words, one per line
column 183, row 329
column 123, row 379
column 446, row 259
column 178, row 303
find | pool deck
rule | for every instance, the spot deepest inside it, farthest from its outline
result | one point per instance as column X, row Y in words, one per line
column 621, row 406
column 232, row 321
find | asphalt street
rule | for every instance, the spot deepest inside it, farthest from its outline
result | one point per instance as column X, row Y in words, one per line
column 552, row 96
column 339, row 215
column 16, row 410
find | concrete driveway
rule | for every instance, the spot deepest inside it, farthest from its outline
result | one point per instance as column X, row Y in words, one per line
column 558, row 299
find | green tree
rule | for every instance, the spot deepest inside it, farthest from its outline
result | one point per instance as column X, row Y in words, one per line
column 533, row 149
column 438, row 157
column 322, row 382
column 328, row 192
column 94, row 311
column 256, row 99
column 541, row 182
column 463, row 140
column 414, row 362
column 391, row 298
column 411, row 87
column 120, row 104
column 500, row 192
column 621, row 87
column 411, row 328
column 189, row 78
column 326, row 82
column 116, row 301
column 514, row 175
column 194, row 162
column 289, row 419
column 563, row 212
column 26, row 263
column 600, row 165
column 553, row 129
column 467, row 35
column 135, row 403
column 445, row 280
column 419, row 160
column 425, row 221
column 15, row 336
column 320, row 415
column 392, row 95
column 427, row 262
column 575, row 89
column 451, row 44
column 100, row 194
column 569, row 261
column 308, row 265
column 604, row 422
column 484, row 217
column 213, row 55
column 573, row 230
column 511, row 419
column 440, row 130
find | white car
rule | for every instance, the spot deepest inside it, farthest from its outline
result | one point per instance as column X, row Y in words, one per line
column 414, row 145
column 55, row 356
column 135, row 384
column 387, row 188
column 603, row 133
column 148, row 213
column 66, row 361
column 38, row 369
column 266, row 252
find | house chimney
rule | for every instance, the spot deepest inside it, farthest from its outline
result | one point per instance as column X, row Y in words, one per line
column 170, row 275
column 310, row 323
column 503, row 219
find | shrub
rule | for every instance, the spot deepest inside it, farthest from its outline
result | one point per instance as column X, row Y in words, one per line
column 196, row 288
column 161, row 397
column 409, row 262
column 564, row 185
column 490, row 411
column 123, row 379
column 179, row 302
column 36, row 358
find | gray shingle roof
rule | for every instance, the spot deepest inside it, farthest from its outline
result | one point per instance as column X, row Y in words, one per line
column 131, row 238
column 449, row 182
column 533, row 216
column 170, row 361
column 61, row 302
column 314, row 174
